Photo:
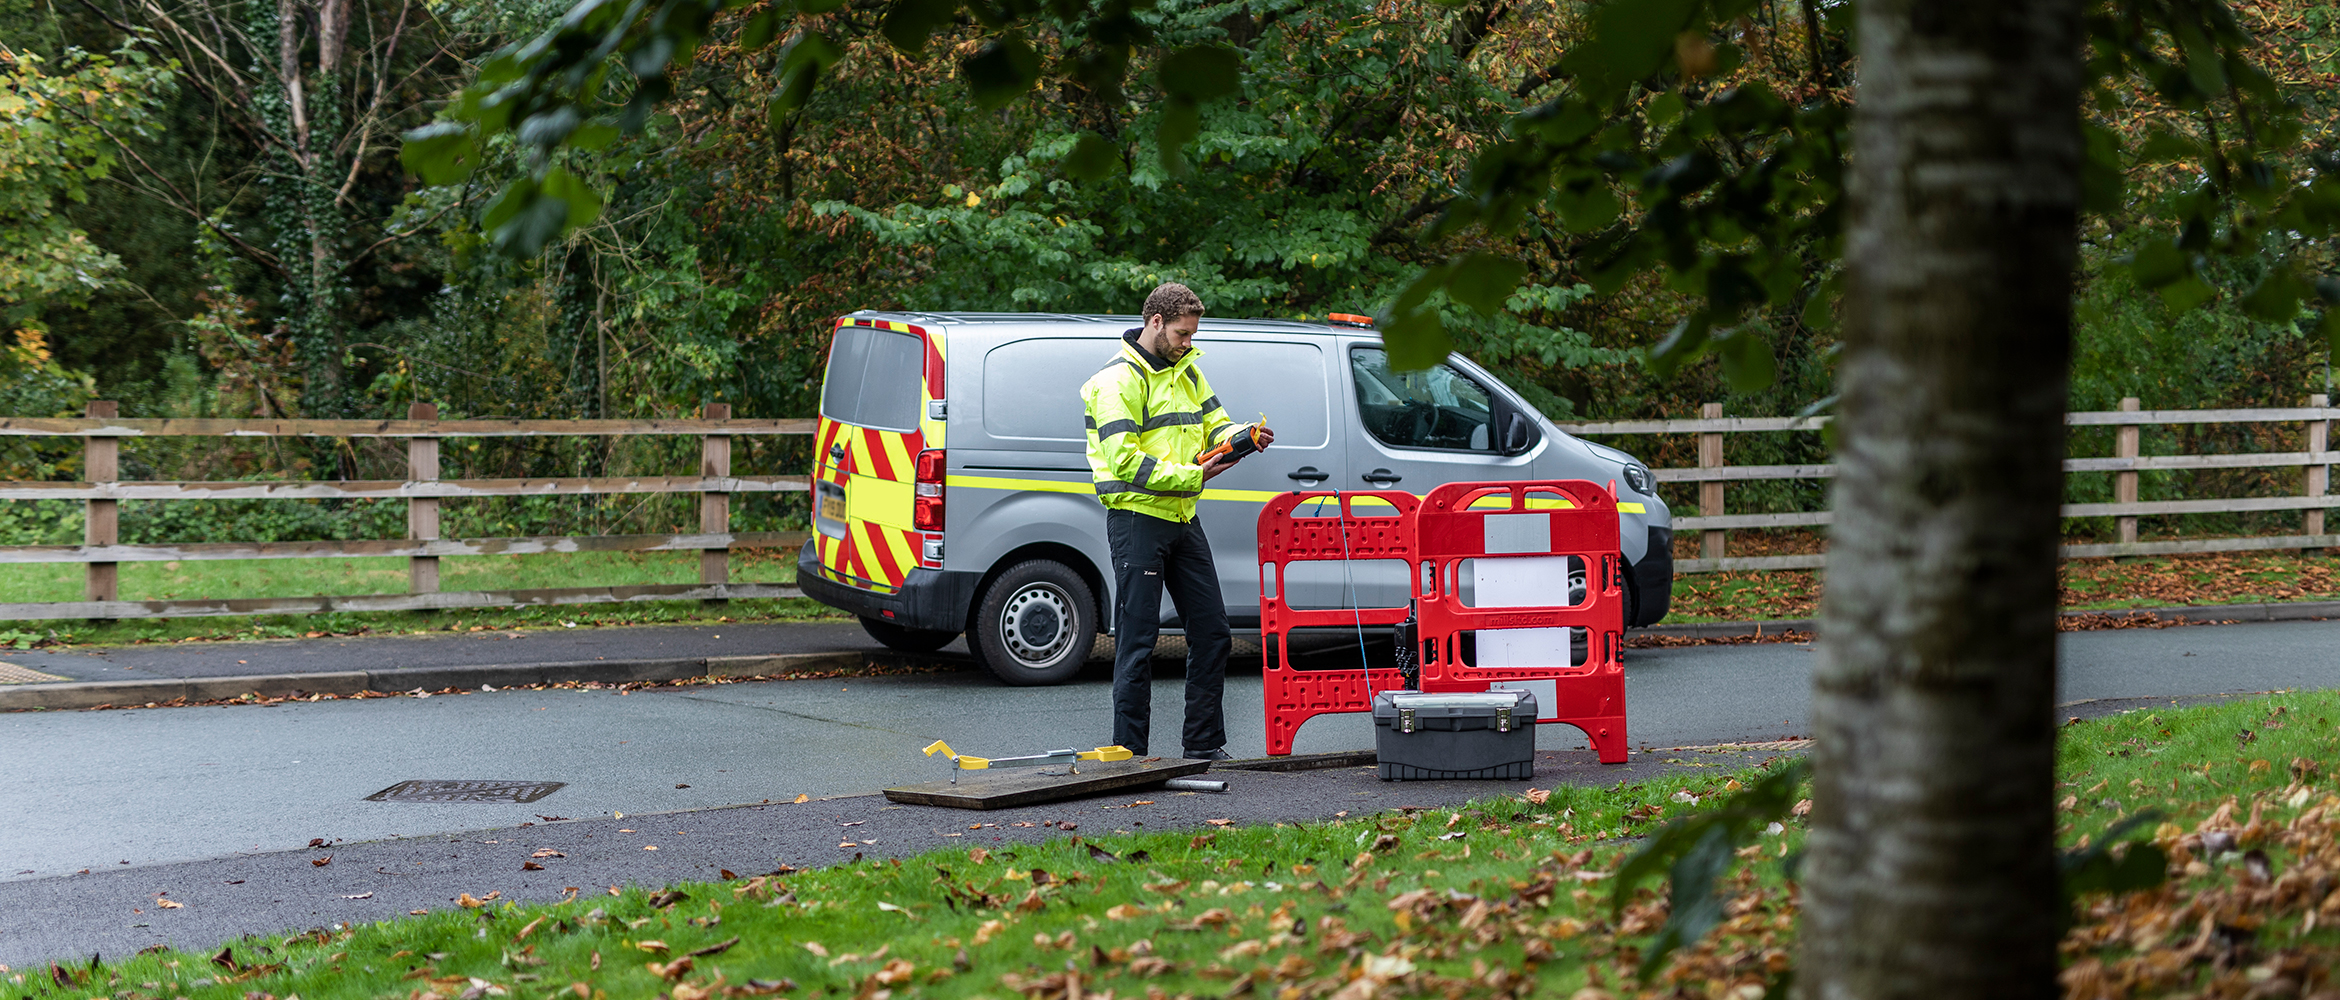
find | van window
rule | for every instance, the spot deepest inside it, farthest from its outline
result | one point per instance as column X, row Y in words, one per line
column 874, row 379
column 1032, row 388
column 1284, row 381
column 1439, row 408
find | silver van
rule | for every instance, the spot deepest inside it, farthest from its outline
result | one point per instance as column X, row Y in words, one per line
column 952, row 494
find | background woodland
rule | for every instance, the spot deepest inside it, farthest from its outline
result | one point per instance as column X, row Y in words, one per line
column 203, row 213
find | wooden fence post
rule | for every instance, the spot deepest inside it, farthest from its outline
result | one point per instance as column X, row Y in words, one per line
column 422, row 513
column 2125, row 440
column 714, row 507
column 101, row 524
column 2318, row 476
column 1710, row 491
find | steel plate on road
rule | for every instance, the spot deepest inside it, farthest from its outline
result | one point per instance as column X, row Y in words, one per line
column 467, row 791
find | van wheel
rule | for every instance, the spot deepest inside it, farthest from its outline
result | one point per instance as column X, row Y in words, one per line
column 908, row 640
column 1034, row 624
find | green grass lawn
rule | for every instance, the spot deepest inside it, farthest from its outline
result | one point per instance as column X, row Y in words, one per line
column 2087, row 585
column 1507, row 897
column 147, row 581
column 306, row 577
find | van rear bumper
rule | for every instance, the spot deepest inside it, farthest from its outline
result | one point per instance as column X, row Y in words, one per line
column 1653, row 579
column 931, row 599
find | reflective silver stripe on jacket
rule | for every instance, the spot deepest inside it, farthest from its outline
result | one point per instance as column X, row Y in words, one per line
column 1111, row 427
column 1116, row 486
column 1171, row 419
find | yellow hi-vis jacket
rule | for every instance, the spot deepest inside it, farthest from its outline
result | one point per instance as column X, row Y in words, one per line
column 1147, row 421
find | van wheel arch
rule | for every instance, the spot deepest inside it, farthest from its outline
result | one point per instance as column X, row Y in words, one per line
column 1071, row 557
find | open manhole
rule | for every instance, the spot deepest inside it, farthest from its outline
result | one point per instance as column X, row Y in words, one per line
column 467, row 791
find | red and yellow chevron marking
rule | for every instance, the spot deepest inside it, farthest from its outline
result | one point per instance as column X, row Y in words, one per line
column 879, row 548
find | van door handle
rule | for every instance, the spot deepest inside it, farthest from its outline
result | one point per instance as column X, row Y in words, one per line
column 1307, row 474
column 1383, row 476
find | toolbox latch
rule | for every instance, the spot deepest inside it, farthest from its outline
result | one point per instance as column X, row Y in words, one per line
column 1405, row 720
column 1503, row 720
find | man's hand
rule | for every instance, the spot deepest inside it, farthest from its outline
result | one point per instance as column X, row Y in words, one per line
column 1217, row 465
column 1267, row 436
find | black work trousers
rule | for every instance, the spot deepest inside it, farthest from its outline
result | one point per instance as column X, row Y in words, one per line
column 1151, row 554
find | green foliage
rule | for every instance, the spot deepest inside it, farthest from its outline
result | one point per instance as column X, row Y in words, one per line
column 1740, row 193
column 58, row 130
column 2250, row 203
column 163, row 522
column 40, row 522
column 34, row 384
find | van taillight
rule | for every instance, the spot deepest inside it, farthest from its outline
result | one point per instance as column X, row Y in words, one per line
column 928, row 514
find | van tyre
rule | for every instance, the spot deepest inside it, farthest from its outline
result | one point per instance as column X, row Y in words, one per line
column 906, row 639
column 1035, row 624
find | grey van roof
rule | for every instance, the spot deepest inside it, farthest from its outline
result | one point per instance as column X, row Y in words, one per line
column 1004, row 318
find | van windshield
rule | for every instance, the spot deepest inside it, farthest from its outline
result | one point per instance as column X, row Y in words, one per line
column 874, row 378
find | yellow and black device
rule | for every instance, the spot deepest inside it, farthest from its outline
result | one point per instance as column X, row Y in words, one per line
column 1243, row 441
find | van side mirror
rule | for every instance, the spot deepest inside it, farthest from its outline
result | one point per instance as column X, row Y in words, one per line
column 1518, row 435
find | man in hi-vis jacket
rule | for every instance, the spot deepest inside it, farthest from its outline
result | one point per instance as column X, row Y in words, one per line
column 1150, row 415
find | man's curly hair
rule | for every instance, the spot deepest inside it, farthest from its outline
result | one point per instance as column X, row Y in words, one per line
column 1173, row 302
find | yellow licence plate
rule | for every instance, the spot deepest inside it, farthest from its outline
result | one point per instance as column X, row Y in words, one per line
column 833, row 505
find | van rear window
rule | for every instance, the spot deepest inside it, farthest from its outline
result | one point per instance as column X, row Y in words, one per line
column 874, row 378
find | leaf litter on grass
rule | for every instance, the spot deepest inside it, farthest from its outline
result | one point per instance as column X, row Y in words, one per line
column 1381, row 905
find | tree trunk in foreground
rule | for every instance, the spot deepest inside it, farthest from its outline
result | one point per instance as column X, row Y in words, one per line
column 1931, row 865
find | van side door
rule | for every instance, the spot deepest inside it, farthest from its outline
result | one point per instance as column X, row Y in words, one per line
column 1289, row 381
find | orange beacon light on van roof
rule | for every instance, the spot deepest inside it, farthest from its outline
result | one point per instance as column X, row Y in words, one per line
column 1349, row 319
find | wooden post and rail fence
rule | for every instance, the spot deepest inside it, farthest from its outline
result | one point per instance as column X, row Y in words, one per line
column 101, row 432
column 103, row 490
column 1713, row 523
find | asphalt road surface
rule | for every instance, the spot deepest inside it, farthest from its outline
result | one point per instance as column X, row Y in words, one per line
column 442, row 649
column 215, row 804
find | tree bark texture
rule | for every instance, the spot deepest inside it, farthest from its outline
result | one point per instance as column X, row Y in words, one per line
column 1931, row 865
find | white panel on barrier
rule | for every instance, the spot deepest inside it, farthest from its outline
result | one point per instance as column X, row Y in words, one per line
column 1520, row 582
column 1518, row 532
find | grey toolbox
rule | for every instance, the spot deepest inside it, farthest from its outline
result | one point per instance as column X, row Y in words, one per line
column 1462, row 734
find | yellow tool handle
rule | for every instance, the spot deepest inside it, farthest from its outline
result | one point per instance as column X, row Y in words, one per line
column 969, row 763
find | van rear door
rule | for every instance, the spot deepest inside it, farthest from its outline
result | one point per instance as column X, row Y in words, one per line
column 881, row 375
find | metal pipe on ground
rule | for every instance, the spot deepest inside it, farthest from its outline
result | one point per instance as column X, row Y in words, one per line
column 1194, row 785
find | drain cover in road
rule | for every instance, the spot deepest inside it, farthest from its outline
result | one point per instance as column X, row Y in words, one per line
column 467, row 791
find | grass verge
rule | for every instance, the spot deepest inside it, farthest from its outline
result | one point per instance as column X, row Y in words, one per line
column 2087, row 585
column 1470, row 899
column 1509, row 896
column 303, row 577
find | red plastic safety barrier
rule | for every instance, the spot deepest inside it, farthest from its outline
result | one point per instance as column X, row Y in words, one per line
column 1492, row 567
column 1376, row 525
